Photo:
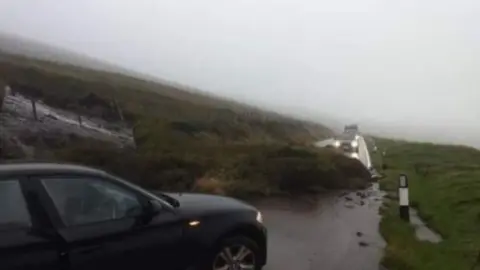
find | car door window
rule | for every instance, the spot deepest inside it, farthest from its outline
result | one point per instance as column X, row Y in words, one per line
column 82, row 201
column 13, row 208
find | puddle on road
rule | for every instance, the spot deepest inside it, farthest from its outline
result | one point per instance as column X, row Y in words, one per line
column 422, row 232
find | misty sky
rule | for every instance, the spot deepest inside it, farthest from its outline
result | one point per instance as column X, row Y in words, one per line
column 409, row 67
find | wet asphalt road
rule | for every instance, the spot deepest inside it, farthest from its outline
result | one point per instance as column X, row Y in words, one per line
column 337, row 232
column 340, row 232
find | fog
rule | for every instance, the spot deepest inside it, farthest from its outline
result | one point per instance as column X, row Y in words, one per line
column 399, row 68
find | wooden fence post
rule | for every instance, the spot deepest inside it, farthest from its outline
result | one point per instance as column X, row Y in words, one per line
column 34, row 109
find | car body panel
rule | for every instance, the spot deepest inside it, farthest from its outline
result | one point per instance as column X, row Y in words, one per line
column 174, row 238
column 27, row 247
column 121, row 244
column 117, row 243
column 204, row 211
column 198, row 203
column 22, row 249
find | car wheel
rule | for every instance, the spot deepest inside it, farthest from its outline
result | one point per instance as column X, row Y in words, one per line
column 235, row 253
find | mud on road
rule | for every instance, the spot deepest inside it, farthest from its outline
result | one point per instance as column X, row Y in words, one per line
column 340, row 232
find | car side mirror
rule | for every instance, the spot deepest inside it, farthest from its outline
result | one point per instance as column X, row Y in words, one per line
column 155, row 207
column 151, row 209
column 135, row 212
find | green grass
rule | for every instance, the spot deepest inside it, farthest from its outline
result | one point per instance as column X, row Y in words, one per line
column 443, row 184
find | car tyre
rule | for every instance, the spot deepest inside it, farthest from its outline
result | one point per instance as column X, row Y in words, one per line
column 234, row 253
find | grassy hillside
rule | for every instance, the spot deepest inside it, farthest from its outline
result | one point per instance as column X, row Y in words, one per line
column 185, row 139
column 443, row 186
column 17, row 45
column 72, row 88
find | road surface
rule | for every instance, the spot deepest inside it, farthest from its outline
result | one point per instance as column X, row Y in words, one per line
column 339, row 232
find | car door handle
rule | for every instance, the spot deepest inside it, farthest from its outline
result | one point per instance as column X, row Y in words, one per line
column 89, row 249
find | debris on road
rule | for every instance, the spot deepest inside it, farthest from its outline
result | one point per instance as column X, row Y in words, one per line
column 336, row 225
column 363, row 244
column 349, row 204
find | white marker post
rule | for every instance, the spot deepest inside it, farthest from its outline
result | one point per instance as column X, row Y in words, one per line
column 403, row 197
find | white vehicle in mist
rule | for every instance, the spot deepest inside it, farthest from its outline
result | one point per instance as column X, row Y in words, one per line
column 348, row 144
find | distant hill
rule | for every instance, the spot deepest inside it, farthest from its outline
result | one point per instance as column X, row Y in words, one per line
column 19, row 49
column 17, row 45
column 64, row 77
column 20, row 46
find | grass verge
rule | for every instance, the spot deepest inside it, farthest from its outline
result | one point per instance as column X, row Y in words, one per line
column 443, row 183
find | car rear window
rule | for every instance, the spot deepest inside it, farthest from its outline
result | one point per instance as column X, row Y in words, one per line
column 13, row 208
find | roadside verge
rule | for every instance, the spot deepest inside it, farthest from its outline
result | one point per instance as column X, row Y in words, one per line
column 443, row 184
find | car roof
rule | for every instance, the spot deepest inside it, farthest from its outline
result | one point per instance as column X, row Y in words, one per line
column 26, row 167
